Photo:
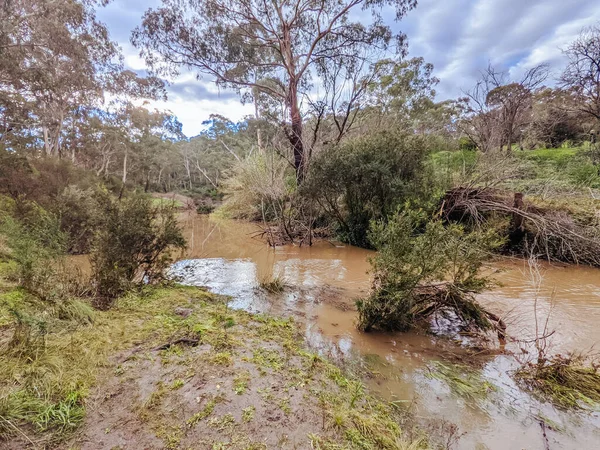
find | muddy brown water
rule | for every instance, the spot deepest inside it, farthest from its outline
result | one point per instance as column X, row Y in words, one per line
column 322, row 283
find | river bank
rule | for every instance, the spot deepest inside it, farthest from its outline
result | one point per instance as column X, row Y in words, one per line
column 182, row 368
column 177, row 368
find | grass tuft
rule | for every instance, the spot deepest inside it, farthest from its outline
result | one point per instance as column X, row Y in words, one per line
column 272, row 284
column 204, row 412
column 463, row 381
column 566, row 381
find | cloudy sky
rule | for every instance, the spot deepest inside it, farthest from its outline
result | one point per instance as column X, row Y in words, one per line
column 460, row 37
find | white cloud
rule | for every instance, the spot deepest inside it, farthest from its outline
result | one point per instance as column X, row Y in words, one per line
column 460, row 37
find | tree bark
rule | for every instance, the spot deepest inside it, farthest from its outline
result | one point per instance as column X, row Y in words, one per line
column 295, row 136
column 124, row 179
column 259, row 137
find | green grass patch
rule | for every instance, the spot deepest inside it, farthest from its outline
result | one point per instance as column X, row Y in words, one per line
column 240, row 382
column 272, row 284
column 43, row 385
column 248, row 414
column 204, row 412
column 463, row 381
column 546, row 155
column 566, row 381
column 157, row 201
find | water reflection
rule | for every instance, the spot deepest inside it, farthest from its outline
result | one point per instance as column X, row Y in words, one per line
column 325, row 278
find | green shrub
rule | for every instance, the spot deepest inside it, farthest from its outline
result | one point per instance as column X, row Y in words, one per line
column 132, row 245
column 35, row 243
column 367, row 179
column 58, row 187
column 76, row 210
column 204, row 208
column 424, row 269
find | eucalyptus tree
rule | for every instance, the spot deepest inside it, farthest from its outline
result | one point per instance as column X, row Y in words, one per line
column 402, row 90
column 582, row 74
column 497, row 110
column 514, row 101
column 56, row 61
column 272, row 48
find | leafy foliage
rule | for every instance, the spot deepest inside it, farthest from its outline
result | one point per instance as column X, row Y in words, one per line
column 35, row 242
column 367, row 179
column 422, row 269
column 272, row 52
column 132, row 245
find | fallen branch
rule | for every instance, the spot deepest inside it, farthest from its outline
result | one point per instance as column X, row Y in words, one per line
column 192, row 342
column 551, row 233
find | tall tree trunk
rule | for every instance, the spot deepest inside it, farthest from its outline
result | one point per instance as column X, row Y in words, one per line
column 296, row 133
column 58, row 142
column 259, row 136
column 125, row 168
column 47, row 146
column 187, row 169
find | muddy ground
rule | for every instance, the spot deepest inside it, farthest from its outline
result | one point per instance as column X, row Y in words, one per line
column 194, row 374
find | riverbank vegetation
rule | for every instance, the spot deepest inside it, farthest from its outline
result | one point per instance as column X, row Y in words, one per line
column 570, row 381
column 371, row 158
column 418, row 274
column 171, row 340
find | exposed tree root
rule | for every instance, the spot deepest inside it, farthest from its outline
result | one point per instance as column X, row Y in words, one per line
column 426, row 302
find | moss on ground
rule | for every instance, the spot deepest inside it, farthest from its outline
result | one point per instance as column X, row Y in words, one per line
column 236, row 360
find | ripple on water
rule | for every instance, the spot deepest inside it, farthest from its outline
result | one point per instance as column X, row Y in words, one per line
column 231, row 264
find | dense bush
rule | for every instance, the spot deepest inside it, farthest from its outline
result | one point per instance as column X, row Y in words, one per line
column 35, row 242
column 367, row 179
column 76, row 211
column 63, row 190
column 132, row 245
column 422, row 270
column 33, row 258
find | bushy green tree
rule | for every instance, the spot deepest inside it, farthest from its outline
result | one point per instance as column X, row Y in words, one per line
column 132, row 245
column 367, row 179
column 422, row 269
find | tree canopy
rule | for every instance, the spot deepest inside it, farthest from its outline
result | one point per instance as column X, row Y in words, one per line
column 277, row 49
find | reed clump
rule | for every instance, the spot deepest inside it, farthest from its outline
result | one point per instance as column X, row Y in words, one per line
column 272, row 284
column 568, row 381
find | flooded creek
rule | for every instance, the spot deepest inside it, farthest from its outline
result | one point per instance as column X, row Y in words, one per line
column 322, row 282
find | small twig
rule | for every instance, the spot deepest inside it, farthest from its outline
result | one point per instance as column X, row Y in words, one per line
column 19, row 431
column 192, row 342
column 531, row 341
column 546, row 441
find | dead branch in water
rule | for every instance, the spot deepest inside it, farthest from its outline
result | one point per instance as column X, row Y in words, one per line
column 553, row 234
column 424, row 303
column 441, row 298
